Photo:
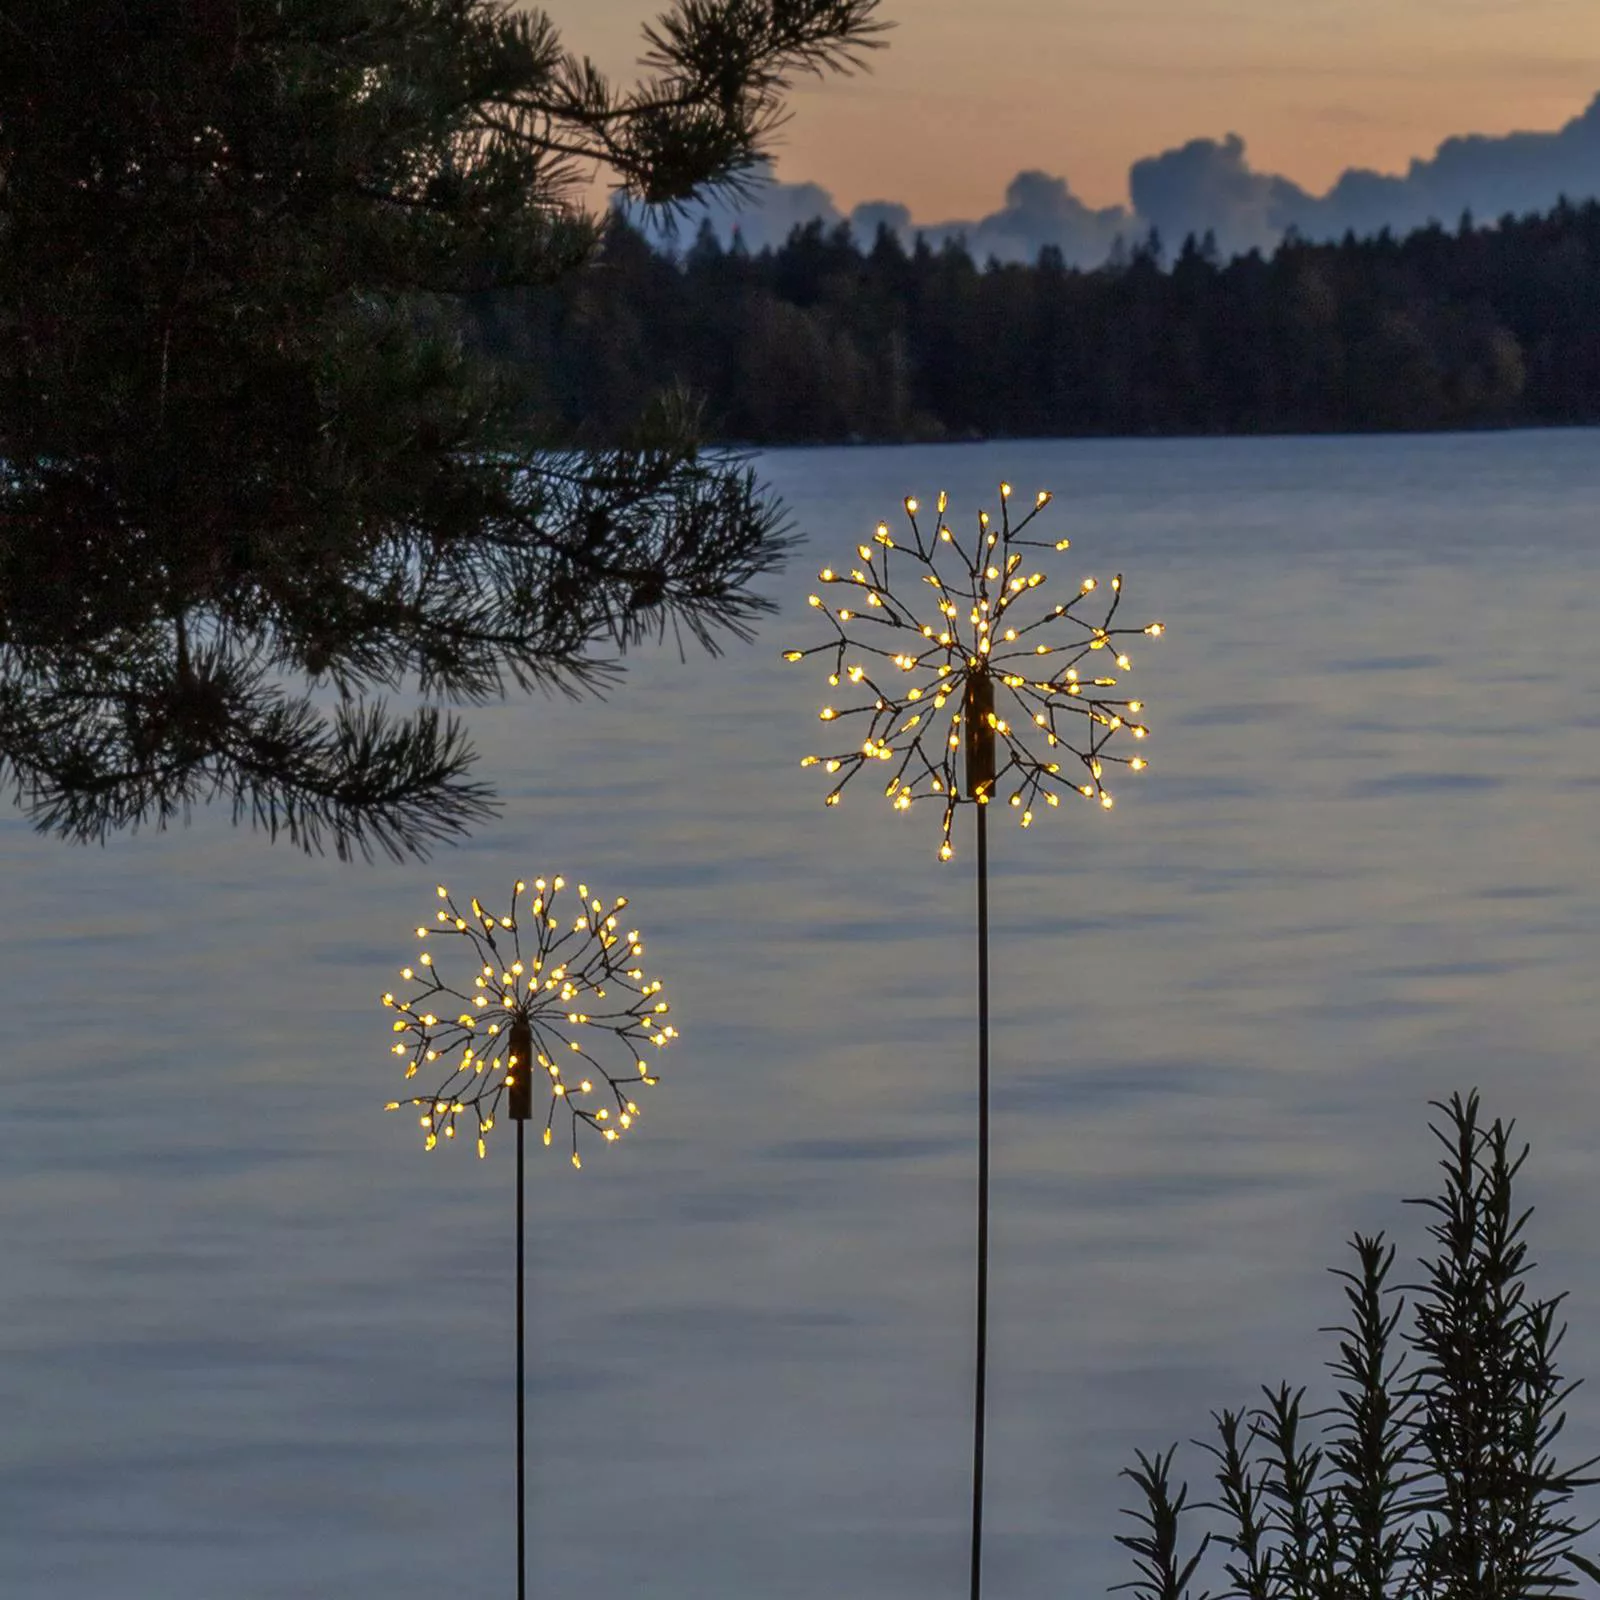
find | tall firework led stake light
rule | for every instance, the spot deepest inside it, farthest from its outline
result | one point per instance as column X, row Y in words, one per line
column 549, row 988
column 940, row 695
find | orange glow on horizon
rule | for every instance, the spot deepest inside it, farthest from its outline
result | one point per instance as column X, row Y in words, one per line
column 964, row 98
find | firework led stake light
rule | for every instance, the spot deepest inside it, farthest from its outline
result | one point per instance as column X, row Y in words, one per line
column 993, row 693
column 557, row 997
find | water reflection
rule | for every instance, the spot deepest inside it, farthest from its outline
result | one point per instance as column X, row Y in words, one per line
column 256, row 1345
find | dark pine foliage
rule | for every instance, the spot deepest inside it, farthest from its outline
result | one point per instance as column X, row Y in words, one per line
column 247, row 447
column 825, row 340
column 1433, row 1475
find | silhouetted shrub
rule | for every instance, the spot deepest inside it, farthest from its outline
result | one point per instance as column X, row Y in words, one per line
column 1433, row 1474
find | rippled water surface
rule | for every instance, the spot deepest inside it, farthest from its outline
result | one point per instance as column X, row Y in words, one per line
column 254, row 1344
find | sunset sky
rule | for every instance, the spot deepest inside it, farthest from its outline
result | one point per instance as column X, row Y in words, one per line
column 969, row 92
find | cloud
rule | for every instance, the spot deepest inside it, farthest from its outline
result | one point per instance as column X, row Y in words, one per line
column 1488, row 176
column 871, row 215
column 1039, row 210
column 765, row 216
column 1209, row 185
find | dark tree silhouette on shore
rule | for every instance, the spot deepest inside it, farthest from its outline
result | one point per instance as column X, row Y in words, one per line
column 828, row 338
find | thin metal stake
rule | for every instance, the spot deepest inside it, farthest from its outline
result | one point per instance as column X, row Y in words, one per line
column 522, row 1493
column 519, row 1104
column 982, row 1362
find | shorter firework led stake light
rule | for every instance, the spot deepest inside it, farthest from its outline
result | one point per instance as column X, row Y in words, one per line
column 557, row 997
column 991, row 674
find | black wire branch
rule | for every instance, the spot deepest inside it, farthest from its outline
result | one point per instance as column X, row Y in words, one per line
column 569, row 980
column 972, row 659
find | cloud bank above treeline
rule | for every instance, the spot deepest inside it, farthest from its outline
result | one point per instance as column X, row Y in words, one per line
column 1209, row 185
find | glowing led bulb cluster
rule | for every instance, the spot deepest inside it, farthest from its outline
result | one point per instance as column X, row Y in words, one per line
column 560, row 979
column 991, row 662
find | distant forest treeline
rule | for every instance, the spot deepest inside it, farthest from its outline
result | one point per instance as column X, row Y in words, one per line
column 822, row 340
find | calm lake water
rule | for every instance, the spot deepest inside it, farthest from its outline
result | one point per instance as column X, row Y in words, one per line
column 254, row 1345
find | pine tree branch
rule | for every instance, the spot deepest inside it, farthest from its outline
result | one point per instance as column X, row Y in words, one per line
column 248, row 438
column 131, row 744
